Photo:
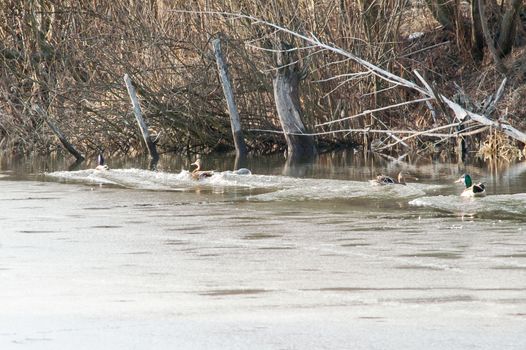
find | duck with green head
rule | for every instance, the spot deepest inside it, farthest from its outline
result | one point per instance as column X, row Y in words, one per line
column 471, row 190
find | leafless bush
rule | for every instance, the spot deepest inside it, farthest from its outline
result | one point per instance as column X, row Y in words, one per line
column 69, row 57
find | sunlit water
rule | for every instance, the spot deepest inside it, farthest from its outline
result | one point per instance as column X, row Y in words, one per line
column 287, row 258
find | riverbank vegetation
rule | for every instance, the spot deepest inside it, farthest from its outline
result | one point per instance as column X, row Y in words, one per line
column 62, row 62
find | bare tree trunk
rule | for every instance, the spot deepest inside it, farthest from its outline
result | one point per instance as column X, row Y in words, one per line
column 477, row 35
column 286, row 93
column 148, row 140
column 489, row 40
column 508, row 28
column 237, row 133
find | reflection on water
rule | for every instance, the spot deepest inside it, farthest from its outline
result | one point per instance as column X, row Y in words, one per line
column 129, row 258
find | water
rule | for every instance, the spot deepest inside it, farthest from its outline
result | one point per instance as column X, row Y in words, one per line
column 133, row 259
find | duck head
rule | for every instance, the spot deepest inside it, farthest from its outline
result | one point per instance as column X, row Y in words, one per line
column 197, row 164
column 466, row 180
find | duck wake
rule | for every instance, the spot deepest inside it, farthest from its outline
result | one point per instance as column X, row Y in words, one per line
column 498, row 206
column 271, row 187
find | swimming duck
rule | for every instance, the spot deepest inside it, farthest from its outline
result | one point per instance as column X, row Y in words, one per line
column 197, row 173
column 387, row 180
column 471, row 190
column 100, row 163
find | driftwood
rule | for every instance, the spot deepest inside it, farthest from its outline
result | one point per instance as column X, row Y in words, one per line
column 63, row 139
column 237, row 133
column 148, row 139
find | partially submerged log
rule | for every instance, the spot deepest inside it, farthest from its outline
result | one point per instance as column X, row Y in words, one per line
column 148, row 139
column 237, row 133
column 300, row 146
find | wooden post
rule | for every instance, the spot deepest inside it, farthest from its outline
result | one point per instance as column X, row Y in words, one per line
column 286, row 93
column 69, row 147
column 148, row 140
column 237, row 133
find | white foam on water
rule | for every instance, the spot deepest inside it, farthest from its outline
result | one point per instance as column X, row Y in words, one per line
column 281, row 187
column 512, row 204
column 128, row 178
column 315, row 189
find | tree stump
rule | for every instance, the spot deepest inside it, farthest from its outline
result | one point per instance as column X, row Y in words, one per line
column 286, row 94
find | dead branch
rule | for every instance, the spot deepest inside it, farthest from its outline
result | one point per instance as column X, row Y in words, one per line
column 148, row 140
column 63, row 139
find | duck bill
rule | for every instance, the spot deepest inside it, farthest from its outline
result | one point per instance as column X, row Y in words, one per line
column 459, row 180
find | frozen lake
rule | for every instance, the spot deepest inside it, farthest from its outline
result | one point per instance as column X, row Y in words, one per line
column 134, row 259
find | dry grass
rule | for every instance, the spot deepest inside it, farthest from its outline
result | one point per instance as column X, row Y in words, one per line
column 499, row 147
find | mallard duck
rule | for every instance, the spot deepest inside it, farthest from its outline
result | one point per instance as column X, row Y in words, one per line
column 471, row 190
column 387, row 180
column 100, row 163
column 197, row 173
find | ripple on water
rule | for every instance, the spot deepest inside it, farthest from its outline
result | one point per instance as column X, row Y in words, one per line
column 37, row 231
column 509, row 205
column 260, row 235
column 106, row 226
column 435, row 254
column 233, row 292
column 323, row 189
column 175, row 242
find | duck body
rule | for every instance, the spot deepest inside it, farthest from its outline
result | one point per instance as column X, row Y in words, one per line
column 471, row 190
column 197, row 173
column 387, row 180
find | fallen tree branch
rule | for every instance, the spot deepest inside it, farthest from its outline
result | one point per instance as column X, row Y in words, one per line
column 63, row 139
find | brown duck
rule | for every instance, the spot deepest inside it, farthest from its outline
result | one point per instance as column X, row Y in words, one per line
column 387, row 180
column 197, row 173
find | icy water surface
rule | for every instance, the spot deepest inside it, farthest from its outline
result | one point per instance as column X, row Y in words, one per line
column 134, row 259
